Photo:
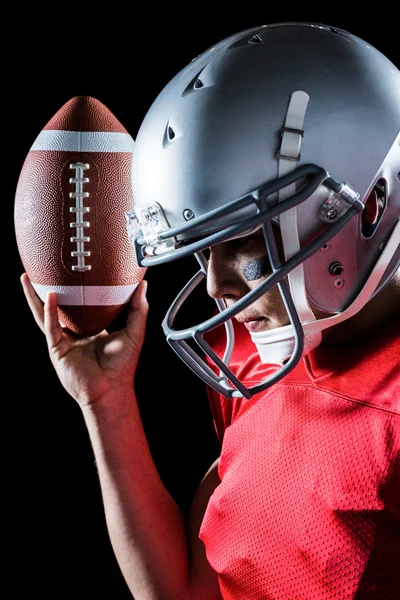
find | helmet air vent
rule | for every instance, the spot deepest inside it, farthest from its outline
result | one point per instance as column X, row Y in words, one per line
column 250, row 39
column 203, row 79
column 255, row 39
column 342, row 33
column 198, row 84
column 171, row 133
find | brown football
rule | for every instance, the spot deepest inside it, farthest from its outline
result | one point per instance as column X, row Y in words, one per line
column 72, row 194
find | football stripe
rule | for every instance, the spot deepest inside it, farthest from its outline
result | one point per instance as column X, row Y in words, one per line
column 90, row 295
column 83, row 141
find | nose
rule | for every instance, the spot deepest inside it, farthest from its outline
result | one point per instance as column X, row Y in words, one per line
column 223, row 275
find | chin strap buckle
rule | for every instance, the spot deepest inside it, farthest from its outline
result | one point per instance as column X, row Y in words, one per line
column 290, row 144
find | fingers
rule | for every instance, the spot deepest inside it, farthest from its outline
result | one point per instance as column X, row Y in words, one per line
column 139, row 299
column 52, row 326
column 45, row 314
column 34, row 302
column 139, row 306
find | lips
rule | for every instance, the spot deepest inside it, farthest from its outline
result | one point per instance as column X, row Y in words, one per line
column 253, row 323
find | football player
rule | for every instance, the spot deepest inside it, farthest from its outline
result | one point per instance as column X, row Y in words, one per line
column 274, row 159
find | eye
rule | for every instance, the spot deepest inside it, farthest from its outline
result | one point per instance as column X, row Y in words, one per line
column 246, row 241
column 239, row 242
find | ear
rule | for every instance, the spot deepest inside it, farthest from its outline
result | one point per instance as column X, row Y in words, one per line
column 373, row 209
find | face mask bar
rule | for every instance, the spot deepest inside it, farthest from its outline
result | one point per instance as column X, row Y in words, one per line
column 341, row 198
column 200, row 367
column 221, row 385
column 176, row 339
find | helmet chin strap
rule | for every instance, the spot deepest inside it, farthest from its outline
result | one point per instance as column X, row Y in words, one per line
column 278, row 345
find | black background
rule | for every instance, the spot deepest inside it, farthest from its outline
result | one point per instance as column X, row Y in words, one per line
column 58, row 539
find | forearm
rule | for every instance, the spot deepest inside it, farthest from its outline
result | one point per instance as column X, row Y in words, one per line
column 145, row 524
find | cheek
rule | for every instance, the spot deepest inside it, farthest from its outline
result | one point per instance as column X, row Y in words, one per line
column 274, row 306
column 256, row 268
column 271, row 304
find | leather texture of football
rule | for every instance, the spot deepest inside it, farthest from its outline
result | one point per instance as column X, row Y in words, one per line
column 69, row 215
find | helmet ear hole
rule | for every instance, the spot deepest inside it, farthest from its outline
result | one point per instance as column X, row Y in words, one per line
column 373, row 209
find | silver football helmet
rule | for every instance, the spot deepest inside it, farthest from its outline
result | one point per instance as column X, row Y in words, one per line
column 292, row 123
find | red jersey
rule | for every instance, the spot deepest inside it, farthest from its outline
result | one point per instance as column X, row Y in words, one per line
column 308, row 507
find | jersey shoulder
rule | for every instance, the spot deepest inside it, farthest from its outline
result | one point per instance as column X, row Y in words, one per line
column 366, row 371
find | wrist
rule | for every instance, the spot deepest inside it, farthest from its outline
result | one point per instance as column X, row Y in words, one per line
column 113, row 405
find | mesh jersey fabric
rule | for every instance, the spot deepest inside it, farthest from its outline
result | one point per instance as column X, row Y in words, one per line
column 308, row 507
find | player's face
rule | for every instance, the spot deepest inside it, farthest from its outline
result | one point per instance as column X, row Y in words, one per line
column 237, row 267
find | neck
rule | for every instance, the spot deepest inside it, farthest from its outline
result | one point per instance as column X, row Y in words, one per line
column 376, row 314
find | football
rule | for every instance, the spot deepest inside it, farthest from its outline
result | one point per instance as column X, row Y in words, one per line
column 69, row 215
